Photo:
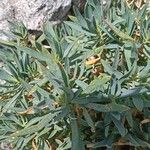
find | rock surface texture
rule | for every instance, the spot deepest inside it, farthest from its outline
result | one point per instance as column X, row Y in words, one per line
column 33, row 13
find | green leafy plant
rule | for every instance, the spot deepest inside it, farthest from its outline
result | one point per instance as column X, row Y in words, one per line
column 84, row 84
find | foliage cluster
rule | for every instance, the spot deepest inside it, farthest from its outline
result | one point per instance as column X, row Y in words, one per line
column 84, row 84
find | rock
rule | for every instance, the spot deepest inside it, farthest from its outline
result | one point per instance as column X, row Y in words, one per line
column 33, row 13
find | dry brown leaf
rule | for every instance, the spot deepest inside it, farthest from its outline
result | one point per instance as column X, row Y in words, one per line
column 129, row 2
column 34, row 145
column 145, row 121
column 138, row 3
column 92, row 60
column 27, row 112
column 49, row 145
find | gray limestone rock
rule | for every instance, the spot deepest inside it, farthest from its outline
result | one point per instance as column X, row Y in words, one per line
column 33, row 13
